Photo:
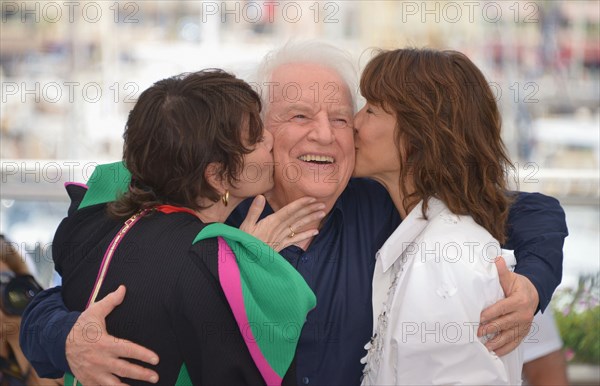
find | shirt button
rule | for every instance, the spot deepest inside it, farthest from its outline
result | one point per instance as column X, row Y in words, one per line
column 305, row 380
column 304, row 260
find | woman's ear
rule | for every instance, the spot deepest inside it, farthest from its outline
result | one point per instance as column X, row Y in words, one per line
column 214, row 176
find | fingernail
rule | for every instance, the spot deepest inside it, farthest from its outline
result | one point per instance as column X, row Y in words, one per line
column 154, row 360
column 154, row 379
column 321, row 214
column 315, row 233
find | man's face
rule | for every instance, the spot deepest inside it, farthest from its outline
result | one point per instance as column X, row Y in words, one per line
column 311, row 119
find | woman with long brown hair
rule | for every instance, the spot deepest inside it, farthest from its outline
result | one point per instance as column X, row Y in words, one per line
column 430, row 133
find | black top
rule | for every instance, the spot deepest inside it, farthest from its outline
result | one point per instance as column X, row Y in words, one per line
column 174, row 303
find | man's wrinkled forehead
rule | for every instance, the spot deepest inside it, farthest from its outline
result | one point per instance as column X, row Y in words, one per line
column 282, row 107
column 308, row 82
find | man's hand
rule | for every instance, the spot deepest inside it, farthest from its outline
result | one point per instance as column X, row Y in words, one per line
column 510, row 319
column 96, row 357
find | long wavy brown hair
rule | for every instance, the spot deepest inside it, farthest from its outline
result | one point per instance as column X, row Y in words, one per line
column 447, row 132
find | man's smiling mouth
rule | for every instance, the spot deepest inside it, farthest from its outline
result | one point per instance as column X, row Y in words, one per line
column 317, row 159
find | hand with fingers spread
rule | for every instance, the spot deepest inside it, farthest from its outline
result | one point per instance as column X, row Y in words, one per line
column 509, row 319
column 288, row 225
column 99, row 359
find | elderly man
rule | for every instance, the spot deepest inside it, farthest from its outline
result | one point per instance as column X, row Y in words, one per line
column 308, row 91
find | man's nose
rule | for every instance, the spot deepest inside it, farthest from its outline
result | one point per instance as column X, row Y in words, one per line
column 322, row 131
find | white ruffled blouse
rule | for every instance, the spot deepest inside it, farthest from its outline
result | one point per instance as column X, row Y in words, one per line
column 432, row 280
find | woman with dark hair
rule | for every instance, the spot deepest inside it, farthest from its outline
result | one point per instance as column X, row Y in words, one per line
column 216, row 304
column 430, row 133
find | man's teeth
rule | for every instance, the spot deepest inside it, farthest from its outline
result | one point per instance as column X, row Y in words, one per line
column 316, row 158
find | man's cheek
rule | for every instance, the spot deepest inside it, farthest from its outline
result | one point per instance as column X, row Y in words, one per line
column 275, row 124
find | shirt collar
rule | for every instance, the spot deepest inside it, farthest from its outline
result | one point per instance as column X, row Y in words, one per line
column 408, row 230
column 268, row 210
column 338, row 209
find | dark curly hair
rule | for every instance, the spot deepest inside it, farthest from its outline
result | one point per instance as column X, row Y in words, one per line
column 448, row 123
column 177, row 127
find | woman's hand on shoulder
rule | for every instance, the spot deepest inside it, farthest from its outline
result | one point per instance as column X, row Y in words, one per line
column 291, row 224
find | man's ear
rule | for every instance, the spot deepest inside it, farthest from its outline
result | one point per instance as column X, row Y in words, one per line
column 213, row 174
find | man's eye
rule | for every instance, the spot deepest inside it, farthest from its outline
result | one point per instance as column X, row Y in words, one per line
column 339, row 122
column 299, row 117
column 369, row 111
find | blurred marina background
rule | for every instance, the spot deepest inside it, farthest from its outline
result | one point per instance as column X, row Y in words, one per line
column 71, row 71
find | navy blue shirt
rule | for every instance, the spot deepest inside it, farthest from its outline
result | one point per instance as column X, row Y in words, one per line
column 338, row 266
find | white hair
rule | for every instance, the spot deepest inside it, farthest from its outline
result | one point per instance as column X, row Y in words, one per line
column 311, row 51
